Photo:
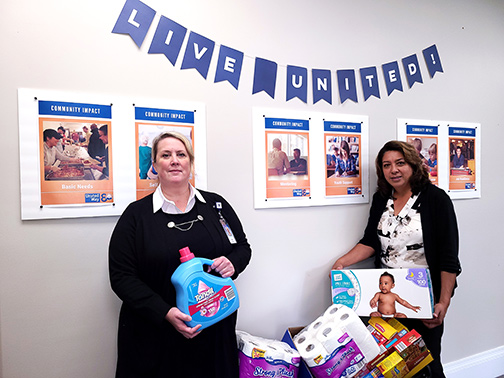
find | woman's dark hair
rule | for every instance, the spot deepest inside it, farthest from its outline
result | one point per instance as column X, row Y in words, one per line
column 344, row 146
column 419, row 177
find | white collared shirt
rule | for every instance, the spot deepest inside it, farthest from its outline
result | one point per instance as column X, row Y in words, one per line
column 159, row 201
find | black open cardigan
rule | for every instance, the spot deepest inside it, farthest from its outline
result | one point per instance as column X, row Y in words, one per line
column 439, row 228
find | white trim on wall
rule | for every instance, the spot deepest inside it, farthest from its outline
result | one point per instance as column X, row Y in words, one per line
column 489, row 364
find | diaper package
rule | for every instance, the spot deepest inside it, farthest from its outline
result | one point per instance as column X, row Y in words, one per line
column 260, row 357
column 400, row 293
column 337, row 344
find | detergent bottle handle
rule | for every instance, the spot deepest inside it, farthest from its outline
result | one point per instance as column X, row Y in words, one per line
column 205, row 261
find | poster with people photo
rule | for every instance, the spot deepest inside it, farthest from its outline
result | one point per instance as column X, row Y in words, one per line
column 68, row 167
column 287, row 157
column 75, row 156
column 464, row 160
column 425, row 140
column 149, row 123
column 295, row 163
column 343, row 146
column 449, row 151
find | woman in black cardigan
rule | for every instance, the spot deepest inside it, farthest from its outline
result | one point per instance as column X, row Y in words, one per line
column 153, row 339
column 412, row 223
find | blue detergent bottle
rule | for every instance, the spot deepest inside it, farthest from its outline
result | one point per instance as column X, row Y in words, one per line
column 205, row 297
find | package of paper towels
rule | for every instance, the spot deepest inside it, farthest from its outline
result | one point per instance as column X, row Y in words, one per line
column 260, row 357
column 337, row 344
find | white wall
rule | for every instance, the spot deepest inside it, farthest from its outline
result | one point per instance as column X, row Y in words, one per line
column 57, row 313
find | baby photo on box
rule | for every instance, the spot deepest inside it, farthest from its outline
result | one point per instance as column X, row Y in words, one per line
column 399, row 293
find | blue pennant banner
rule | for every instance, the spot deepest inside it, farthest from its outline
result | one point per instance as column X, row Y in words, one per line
column 346, row 85
column 168, row 39
column 297, row 83
column 432, row 60
column 265, row 73
column 412, row 69
column 229, row 66
column 369, row 79
column 198, row 53
column 392, row 77
column 135, row 19
column 322, row 88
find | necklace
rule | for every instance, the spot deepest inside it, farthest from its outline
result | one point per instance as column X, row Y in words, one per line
column 190, row 223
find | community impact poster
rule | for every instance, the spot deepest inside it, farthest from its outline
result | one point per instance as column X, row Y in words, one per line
column 464, row 158
column 309, row 158
column 343, row 145
column 149, row 123
column 75, row 153
column 449, row 151
column 424, row 138
column 287, row 156
column 68, row 167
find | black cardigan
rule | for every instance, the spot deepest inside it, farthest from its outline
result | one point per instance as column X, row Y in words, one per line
column 143, row 254
column 439, row 228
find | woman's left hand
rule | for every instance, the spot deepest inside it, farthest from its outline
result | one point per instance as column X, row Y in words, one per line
column 223, row 266
column 439, row 314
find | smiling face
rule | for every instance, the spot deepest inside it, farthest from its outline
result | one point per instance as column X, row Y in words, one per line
column 396, row 170
column 172, row 162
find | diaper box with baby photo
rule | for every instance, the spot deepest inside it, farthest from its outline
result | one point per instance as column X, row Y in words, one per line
column 388, row 293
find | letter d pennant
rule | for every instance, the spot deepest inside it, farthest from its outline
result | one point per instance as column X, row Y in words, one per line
column 265, row 73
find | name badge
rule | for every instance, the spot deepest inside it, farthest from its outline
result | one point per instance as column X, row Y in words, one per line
column 227, row 230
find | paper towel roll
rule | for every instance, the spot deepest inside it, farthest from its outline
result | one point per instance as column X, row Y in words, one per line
column 315, row 325
column 255, row 347
column 332, row 312
column 348, row 321
column 353, row 325
column 302, row 338
column 331, row 337
column 313, row 353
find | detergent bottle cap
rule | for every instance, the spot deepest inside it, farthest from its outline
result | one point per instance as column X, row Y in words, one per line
column 185, row 254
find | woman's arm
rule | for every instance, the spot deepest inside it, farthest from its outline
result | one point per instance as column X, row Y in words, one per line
column 357, row 254
column 124, row 270
column 441, row 308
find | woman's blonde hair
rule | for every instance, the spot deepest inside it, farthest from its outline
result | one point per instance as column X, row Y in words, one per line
column 173, row 134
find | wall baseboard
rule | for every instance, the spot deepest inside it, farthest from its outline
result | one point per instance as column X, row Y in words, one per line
column 489, row 364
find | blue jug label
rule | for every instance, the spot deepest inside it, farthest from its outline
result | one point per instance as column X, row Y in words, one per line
column 206, row 302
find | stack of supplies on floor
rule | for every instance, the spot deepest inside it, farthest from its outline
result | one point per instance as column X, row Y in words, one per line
column 402, row 352
column 260, row 357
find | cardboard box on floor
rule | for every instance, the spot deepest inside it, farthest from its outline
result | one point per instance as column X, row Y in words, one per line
column 355, row 289
column 288, row 337
column 304, row 370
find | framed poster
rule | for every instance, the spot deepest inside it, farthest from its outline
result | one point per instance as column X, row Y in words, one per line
column 79, row 153
column 343, row 161
column 450, row 152
column 149, row 123
column 292, row 161
column 464, row 144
